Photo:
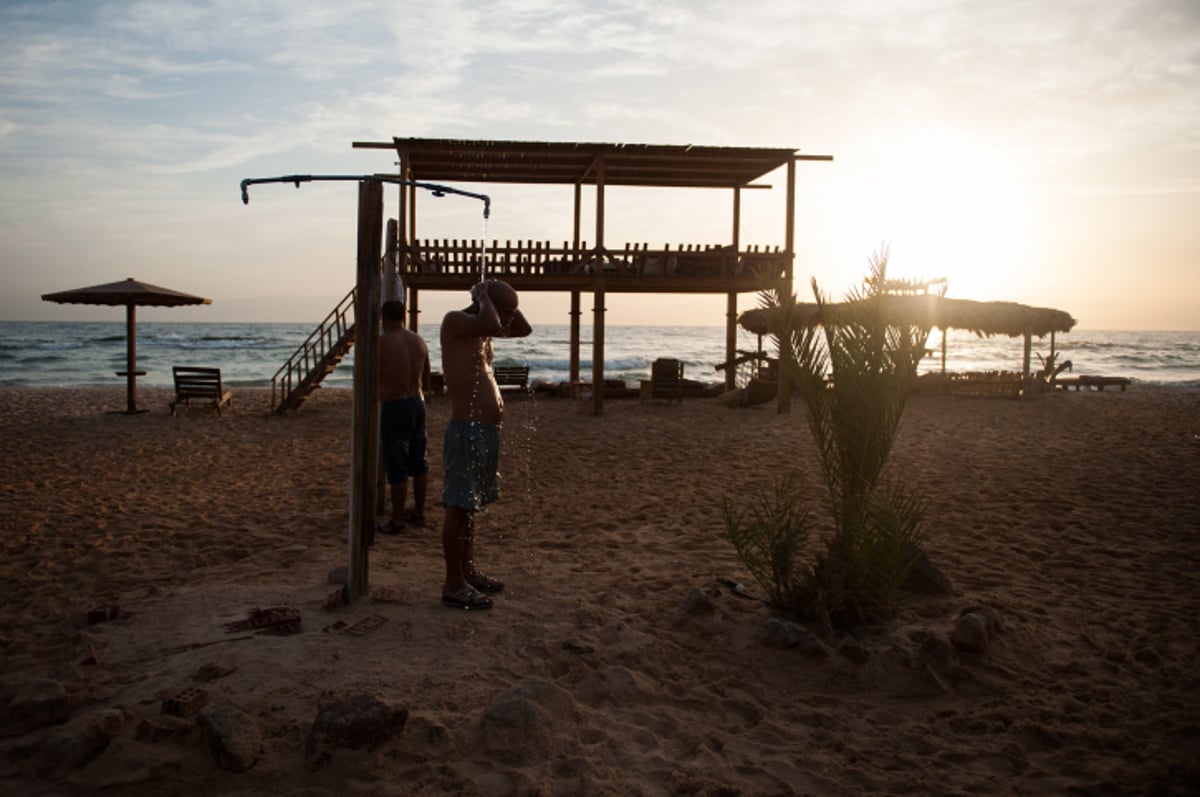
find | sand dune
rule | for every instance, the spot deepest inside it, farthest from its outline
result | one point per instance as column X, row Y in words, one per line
column 1075, row 518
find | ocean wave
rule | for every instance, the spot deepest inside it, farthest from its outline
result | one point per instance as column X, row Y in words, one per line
column 43, row 353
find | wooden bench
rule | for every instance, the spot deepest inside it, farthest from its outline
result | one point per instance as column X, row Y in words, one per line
column 203, row 384
column 514, row 376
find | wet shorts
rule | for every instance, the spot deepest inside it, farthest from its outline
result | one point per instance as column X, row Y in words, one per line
column 402, row 436
column 471, row 458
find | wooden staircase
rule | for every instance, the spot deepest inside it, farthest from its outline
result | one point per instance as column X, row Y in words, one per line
column 315, row 359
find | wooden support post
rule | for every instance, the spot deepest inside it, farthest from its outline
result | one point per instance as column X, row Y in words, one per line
column 575, row 338
column 414, row 307
column 784, row 401
column 599, row 207
column 391, row 257
column 404, row 232
column 1025, row 362
column 577, row 260
column 364, row 438
column 1028, row 351
column 783, row 404
column 598, row 350
column 731, row 340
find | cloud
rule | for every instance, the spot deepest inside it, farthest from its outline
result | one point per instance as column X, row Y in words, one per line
column 120, row 116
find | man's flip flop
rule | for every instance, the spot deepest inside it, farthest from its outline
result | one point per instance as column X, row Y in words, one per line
column 468, row 598
column 485, row 583
column 390, row 528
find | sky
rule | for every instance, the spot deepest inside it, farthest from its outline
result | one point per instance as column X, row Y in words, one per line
column 1039, row 152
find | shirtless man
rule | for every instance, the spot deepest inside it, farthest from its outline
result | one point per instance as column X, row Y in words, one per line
column 471, row 453
column 403, row 367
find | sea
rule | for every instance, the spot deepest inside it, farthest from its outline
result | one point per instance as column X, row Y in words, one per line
column 67, row 354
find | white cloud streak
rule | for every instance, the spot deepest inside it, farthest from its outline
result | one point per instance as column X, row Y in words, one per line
column 116, row 103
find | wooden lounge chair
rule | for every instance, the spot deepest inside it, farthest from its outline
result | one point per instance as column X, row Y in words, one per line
column 203, row 384
column 514, row 376
column 1092, row 381
column 666, row 380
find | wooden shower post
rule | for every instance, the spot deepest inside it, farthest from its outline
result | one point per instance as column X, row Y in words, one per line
column 364, row 438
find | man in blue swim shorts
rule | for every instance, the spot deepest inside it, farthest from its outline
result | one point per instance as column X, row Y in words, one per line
column 403, row 367
column 471, row 453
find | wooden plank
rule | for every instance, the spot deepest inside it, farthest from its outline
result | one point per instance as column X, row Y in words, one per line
column 365, row 429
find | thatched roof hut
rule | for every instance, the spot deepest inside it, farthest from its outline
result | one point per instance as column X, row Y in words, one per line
column 985, row 319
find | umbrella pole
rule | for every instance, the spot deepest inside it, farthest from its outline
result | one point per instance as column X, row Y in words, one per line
column 131, row 359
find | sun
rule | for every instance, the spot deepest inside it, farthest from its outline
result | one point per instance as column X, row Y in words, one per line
column 946, row 204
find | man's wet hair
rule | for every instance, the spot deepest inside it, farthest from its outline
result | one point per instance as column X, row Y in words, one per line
column 392, row 311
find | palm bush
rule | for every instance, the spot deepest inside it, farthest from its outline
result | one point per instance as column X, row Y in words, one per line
column 854, row 376
column 770, row 537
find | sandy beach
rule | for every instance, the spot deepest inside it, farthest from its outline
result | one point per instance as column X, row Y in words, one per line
column 1073, row 518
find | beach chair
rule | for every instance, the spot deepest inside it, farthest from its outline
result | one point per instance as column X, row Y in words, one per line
column 203, row 384
column 666, row 380
column 514, row 376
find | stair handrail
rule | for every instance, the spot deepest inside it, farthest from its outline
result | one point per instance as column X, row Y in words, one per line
column 312, row 351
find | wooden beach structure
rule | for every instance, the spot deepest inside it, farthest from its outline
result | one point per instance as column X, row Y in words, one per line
column 586, row 260
column 574, row 267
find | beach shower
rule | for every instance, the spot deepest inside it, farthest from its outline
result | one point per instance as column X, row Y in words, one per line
column 365, row 426
column 433, row 188
column 296, row 179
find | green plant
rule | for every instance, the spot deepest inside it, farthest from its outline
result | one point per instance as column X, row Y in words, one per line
column 854, row 378
column 770, row 537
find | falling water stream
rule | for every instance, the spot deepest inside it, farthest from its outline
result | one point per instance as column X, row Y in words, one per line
column 483, row 253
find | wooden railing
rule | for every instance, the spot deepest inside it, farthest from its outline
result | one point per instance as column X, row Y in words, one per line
column 454, row 256
column 315, row 358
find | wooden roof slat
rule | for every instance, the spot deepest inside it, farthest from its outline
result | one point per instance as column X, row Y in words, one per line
column 689, row 166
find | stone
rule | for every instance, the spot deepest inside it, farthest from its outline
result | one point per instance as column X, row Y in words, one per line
column 697, row 603
column 934, row 648
column 516, row 726
column 36, row 705
column 970, row 633
column 211, row 671
column 990, row 616
column 781, row 634
column 80, row 742
column 356, row 722
column 925, row 579
column 231, row 736
column 852, row 649
column 164, row 728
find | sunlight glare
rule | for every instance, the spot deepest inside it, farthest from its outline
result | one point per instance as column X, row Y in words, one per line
column 946, row 205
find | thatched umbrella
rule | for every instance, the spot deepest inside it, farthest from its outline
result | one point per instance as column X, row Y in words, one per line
column 131, row 293
column 985, row 319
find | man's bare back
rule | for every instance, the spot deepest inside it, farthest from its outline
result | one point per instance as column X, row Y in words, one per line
column 403, row 363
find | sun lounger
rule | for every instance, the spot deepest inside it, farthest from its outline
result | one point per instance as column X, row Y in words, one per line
column 202, row 384
column 1093, row 382
column 514, row 376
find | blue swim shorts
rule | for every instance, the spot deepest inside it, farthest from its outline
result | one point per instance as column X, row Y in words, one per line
column 471, row 458
column 403, row 438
